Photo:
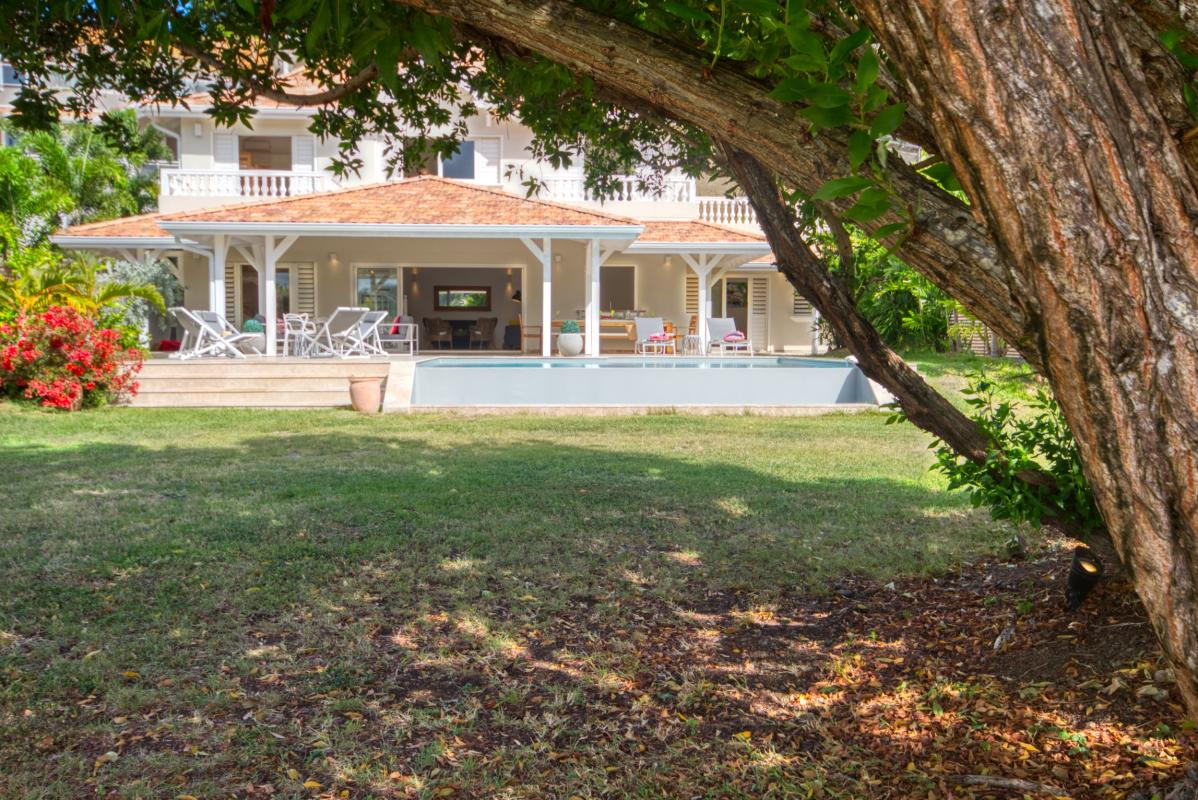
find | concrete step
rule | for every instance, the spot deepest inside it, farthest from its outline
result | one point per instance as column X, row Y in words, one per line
column 272, row 399
column 308, row 368
column 245, row 384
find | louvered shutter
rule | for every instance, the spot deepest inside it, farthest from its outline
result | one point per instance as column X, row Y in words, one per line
column 232, row 284
column 691, row 293
column 303, row 287
column 759, row 312
column 486, row 160
column 224, row 150
column 303, row 153
column 802, row 306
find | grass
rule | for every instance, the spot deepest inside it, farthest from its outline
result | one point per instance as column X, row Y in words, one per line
column 300, row 604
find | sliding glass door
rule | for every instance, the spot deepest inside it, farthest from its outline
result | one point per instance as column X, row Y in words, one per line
column 377, row 288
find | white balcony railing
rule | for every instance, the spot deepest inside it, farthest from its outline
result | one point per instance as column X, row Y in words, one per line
column 250, row 184
column 727, row 211
column 628, row 188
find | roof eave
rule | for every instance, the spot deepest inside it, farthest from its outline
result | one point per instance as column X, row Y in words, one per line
column 122, row 242
column 729, row 248
column 407, row 231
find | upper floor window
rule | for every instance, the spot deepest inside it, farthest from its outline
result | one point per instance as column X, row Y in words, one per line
column 264, row 152
column 9, row 76
column 461, row 164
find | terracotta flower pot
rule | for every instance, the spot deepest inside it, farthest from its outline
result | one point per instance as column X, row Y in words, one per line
column 366, row 394
column 569, row 344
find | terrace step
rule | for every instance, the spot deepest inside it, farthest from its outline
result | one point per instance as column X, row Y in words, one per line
column 253, row 383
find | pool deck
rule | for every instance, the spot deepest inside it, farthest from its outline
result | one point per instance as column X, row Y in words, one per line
column 308, row 383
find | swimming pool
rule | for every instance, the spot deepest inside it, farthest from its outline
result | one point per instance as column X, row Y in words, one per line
column 627, row 381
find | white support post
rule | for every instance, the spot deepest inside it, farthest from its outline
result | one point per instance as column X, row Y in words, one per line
column 216, row 274
column 544, row 253
column 702, row 265
column 546, row 297
column 269, row 292
column 594, row 270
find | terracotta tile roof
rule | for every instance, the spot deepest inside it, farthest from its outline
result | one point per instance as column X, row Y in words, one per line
column 768, row 258
column 144, row 226
column 425, row 200
column 695, row 231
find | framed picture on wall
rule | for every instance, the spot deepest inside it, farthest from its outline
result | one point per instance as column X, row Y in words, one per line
column 462, row 298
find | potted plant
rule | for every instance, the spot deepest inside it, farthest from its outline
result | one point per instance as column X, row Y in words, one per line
column 569, row 339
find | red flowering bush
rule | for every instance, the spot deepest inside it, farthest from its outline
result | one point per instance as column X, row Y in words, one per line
column 62, row 359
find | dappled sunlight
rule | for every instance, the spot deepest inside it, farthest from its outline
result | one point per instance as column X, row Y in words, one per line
column 588, row 608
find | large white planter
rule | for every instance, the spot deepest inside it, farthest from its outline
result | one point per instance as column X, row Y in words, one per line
column 569, row 344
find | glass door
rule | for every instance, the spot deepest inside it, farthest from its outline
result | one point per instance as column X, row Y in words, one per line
column 736, row 302
column 377, row 288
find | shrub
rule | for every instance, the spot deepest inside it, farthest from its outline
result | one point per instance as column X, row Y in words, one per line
column 62, row 359
column 570, row 326
column 1039, row 439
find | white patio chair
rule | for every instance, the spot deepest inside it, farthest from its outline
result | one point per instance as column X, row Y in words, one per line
column 338, row 333
column 400, row 333
column 202, row 338
column 298, row 334
column 717, row 329
column 649, row 333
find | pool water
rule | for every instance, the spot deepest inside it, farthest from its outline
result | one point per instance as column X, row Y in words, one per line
column 661, row 381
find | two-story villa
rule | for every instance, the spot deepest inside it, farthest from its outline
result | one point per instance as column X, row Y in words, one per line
column 258, row 225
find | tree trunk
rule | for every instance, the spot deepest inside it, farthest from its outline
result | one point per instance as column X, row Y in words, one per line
column 808, row 273
column 1049, row 121
column 947, row 245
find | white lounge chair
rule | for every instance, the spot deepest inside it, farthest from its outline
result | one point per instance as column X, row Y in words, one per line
column 365, row 341
column 203, row 338
column 251, row 343
column 339, row 333
column 650, row 337
column 720, row 327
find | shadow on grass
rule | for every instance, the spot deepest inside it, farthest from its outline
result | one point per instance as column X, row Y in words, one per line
column 396, row 617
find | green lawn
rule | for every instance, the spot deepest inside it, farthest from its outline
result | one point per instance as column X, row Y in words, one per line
column 223, row 598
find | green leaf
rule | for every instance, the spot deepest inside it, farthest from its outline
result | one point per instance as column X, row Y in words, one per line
column 848, row 45
column 867, row 71
column 841, row 187
column 943, row 174
column 791, row 90
column 1191, row 98
column 888, row 230
column 887, row 120
column 859, row 146
column 825, row 95
column 807, row 43
column 684, row 11
column 827, row 117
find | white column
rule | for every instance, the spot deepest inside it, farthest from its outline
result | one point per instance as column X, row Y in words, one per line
column 594, row 265
column 546, row 297
column 270, row 295
column 704, row 310
column 216, row 274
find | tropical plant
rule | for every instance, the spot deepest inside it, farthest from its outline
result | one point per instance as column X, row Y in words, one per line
column 61, row 358
column 79, row 172
column 570, row 326
column 1021, row 440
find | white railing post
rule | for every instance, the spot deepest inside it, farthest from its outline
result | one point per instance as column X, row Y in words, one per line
column 246, row 183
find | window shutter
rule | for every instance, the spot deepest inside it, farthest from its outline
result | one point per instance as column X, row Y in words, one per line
column 232, row 283
column 691, row 293
column 303, row 287
column 759, row 312
column 486, row 160
column 802, row 306
column 303, row 153
column 224, row 150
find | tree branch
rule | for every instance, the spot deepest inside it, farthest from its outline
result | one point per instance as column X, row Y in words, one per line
column 263, row 89
column 947, row 244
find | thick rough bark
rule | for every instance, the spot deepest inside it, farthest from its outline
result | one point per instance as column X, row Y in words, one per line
column 948, row 245
column 922, row 404
column 1045, row 113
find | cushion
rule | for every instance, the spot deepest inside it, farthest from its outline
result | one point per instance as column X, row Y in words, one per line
column 734, row 336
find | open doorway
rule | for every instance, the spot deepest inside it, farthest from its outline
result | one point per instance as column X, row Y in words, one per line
column 736, row 302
